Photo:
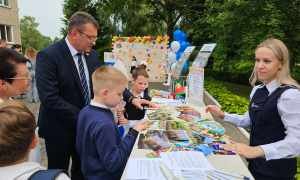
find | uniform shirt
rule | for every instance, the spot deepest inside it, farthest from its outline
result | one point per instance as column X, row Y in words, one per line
column 288, row 106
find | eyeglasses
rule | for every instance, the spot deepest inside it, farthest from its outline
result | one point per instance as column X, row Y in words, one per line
column 91, row 38
column 23, row 78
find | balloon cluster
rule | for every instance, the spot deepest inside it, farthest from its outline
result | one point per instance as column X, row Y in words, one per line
column 178, row 48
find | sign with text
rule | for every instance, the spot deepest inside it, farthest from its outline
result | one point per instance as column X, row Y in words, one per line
column 196, row 84
column 203, row 55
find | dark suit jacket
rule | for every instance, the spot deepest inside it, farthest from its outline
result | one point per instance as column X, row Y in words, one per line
column 60, row 90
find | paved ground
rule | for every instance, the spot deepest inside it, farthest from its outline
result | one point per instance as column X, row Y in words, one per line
column 231, row 130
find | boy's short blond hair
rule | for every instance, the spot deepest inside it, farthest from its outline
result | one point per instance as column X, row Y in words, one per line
column 139, row 72
column 107, row 77
column 17, row 129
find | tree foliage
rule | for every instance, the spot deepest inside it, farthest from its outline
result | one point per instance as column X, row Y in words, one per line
column 239, row 26
column 148, row 16
column 30, row 36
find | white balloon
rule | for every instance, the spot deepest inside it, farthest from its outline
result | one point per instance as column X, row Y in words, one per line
column 173, row 66
column 172, row 57
column 175, row 46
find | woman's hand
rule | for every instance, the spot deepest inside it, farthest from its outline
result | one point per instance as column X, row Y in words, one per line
column 244, row 150
column 215, row 110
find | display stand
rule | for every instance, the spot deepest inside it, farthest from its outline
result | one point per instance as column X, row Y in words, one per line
column 180, row 63
column 169, row 80
column 196, row 75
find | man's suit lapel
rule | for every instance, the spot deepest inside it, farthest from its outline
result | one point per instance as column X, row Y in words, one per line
column 70, row 61
column 91, row 69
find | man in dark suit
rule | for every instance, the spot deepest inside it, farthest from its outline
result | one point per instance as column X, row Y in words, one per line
column 63, row 78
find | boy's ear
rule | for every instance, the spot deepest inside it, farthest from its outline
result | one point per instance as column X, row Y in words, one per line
column 132, row 80
column 104, row 93
column 34, row 141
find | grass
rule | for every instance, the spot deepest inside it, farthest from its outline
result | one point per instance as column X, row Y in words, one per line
column 237, row 89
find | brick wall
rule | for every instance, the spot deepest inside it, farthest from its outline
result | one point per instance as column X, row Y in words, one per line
column 10, row 16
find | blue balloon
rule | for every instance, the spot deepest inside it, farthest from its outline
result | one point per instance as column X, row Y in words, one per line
column 178, row 55
column 183, row 37
column 186, row 65
column 183, row 46
column 177, row 35
column 188, row 44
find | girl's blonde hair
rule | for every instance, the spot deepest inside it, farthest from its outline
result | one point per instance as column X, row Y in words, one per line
column 283, row 77
column 30, row 53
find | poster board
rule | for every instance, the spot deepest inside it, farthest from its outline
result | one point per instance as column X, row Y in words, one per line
column 147, row 48
column 196, row 85
column 110, row 57
column 203, row 55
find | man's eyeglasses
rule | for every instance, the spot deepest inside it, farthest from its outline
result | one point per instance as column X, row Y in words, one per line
column 23, row 78
column 91, row 38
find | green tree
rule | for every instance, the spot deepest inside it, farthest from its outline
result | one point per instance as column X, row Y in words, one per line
column 104, row 39
column 162, row 15
column 239, row 26
column 56, row 39
column 30, row 36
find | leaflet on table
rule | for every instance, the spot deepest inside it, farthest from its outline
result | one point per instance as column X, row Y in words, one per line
column 186, row 160
column 145, row 168
column 162, row 100
column 196, row 82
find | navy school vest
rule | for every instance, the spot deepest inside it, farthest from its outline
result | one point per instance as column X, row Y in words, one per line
column 132, row 113
column 267, row 127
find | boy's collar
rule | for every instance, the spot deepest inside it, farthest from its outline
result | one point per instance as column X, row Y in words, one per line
column 93, row 103
column 140, row 96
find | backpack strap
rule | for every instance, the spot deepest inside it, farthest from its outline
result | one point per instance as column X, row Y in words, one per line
column 50, row 174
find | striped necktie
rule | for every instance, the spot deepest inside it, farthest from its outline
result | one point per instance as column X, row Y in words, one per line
column 84, row 84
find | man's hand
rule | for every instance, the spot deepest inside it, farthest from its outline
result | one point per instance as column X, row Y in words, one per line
column 138, row 103
column 123, row 120
column 141, row 126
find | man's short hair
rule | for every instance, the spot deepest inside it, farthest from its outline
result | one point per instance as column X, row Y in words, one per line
column 17, row 129
column 139, row 72
column 79, row 20
column 107, row 77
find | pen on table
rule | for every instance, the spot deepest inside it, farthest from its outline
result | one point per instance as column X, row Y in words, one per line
column 221, row 175
column 216, row 176
column 211, row 177
column 231, row 174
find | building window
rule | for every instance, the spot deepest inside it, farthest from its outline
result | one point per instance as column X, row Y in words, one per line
column 6, row 33
column 4, row 2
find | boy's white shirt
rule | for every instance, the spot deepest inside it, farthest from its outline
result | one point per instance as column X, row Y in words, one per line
column 23, row 171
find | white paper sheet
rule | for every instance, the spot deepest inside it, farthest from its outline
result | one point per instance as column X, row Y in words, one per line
column 194, row 174
column 145, row 168
column 186, row 160
column 163, row 100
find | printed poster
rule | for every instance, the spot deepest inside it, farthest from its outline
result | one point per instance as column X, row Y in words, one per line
column 196, row 84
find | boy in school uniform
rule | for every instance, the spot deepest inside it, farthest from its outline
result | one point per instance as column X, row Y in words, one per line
column 103, row 153
column 17, row 134
column 130, row 112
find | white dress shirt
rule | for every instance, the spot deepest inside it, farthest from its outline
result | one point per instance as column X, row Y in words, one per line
column 75, row 57
column 288, row 106
column 93, row 103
